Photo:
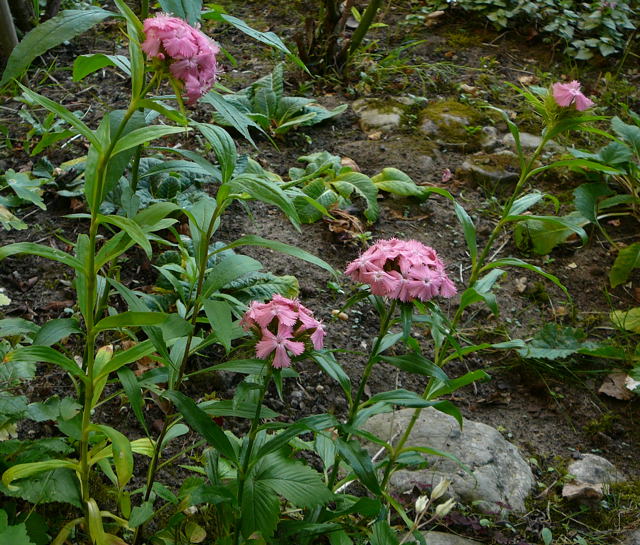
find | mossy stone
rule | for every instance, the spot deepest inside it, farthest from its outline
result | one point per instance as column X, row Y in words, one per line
column 450, row 122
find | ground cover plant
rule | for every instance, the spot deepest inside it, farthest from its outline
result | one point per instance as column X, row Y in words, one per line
column 206, row 381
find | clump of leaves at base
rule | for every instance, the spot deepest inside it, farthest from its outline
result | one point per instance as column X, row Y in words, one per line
column 264, row 103
column 327, row 183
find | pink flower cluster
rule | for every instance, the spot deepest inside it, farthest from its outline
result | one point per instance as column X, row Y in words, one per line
column 566, row 94
column 402, row 269
column 281, row 323
column 193, row 53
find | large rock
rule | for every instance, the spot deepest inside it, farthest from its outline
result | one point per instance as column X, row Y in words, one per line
column 499, row 479
column 440, row 538
column 593, row 469
column 494, row 172
column 452, row 124
column 530, row 142
column 379, row 115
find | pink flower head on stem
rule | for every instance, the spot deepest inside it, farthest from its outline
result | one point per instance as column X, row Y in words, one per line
column 566, row 94
column 191, row 54
column 402, row 270
column 283, row 326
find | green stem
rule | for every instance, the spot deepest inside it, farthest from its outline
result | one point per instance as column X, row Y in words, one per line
column 246, row 453
column 385, row 322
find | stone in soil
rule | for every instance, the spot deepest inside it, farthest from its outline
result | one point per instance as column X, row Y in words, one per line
column 440, row 538
column 498, row 481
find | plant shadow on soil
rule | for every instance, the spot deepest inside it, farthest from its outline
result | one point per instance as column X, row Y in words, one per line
column 545, row 414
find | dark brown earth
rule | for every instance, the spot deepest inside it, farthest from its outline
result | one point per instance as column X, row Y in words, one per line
column 552, row 410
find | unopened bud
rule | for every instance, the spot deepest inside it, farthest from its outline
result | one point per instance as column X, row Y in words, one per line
column 440, row 489
column 421, row 504
column 444, row 508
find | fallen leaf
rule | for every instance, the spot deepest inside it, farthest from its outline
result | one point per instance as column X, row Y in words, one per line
column 631, row 383
column 521, row 284
column 572, row 266
column 527, row 80
column 348, row 162
column 614, row 385
column 377, row 135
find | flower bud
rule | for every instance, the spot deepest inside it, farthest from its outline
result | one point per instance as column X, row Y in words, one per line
column 444, row 508
column 421, row 504
column 440, row 489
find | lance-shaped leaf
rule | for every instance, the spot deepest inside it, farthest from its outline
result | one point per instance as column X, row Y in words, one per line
column 130, row 319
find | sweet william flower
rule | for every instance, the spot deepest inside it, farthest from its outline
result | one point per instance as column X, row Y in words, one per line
column 283, row 326
column 191, row 54
column 566, row 94
column 402, row 270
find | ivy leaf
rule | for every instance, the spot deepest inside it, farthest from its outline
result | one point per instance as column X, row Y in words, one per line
column 628, row 259
column 554, row 342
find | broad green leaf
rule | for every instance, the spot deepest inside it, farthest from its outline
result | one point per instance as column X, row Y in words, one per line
column 47, row 354
column 63, row 27
column 627, row 259
column 130, row 319
column 167, row 111
column 189, row 10
column 383, row 534
column 16, row 534
column 397, row 182
column 10, row 327
column 587, row 199
column 543, row 233
column 629, row 133
column 348, row 183
column 296, row 482
column 41, row 251
column 223, row 146
column 254, row 240
column 141, row 514
column 22, row 471
column 47, row 486
column 525, row 202
column 55, row 330
column 555, row 341
column 122, row 454
column 87, row 64
column 202, row 423
column 627, row 319
column 260, row 509
column 144, row 135
column 226, row 271
column 25, row 187
column 219, row 316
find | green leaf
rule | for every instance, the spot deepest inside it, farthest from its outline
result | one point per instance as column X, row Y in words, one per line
column 627, row 319
column 87, row 64
column 260, row 509
column 144, row 135
column 383, row 534
column 24, row 187
column 543, row 233
column 189, row 10
column 61, row 28
column 296, row 482
column 223, row 146
column 327, row 362
column 469, row 230
column 265, row 191
column 55, row 330
column 254, row 240
column 132, row 229
column 16, row 534
column 219, row 316
column 397, row 182
column 132, row 389
column 41, row 251
column 130, row 319
column 360, row 462
column 350, row 182
column 316, row 422
column 22, row 471
column 525, row 202
column 10, row 327
column 122, row 454
column 141, row 514
column 47, row 354
column 123, row 357
column 417, row 364
column 587, row 197
column 226, row 271
column 555, row 341
column 63, row 113
column 231, row 114
column 46, row 486
column 627, row 259
column 515, row 262
column 202, row 423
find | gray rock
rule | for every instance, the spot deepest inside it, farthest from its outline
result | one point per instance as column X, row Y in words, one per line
column 440, row 538
column 377, row 116
column 633, row 538
column 491, row 170
column 530, row 142
column 489, row 138
column 593, row 469
column 499, row 478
